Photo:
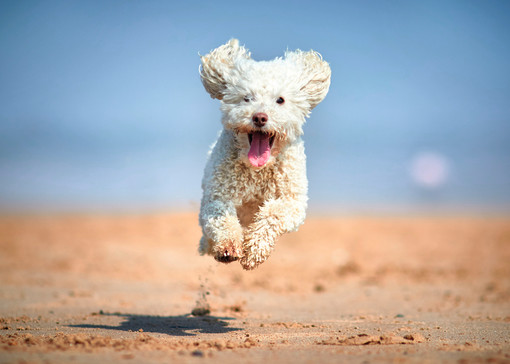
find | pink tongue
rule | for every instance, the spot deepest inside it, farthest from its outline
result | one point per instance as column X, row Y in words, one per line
column 260, row 151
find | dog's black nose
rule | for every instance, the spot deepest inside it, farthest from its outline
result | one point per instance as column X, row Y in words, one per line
column 259, row 119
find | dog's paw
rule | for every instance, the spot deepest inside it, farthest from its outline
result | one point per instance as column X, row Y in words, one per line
column 254, row 255
column 227, row 253
column 249, row 262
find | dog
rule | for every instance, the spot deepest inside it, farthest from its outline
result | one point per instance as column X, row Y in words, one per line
column 255, row 187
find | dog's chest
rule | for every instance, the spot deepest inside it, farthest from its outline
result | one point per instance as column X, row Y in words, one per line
column 230, row 177
column 255, row 185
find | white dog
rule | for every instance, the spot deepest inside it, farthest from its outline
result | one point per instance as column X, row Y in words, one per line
column 255, row 186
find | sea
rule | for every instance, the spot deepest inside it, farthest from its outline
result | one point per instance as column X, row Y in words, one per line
column 58, row 168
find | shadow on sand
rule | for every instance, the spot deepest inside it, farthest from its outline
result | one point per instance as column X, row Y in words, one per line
column 182, row 325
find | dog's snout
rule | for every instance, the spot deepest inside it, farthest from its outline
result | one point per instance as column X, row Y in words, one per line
column 260, row 119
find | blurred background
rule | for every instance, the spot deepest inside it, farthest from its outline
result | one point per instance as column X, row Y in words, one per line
column 102, row 108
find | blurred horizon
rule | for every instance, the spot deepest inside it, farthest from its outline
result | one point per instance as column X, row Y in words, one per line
column 102, row 108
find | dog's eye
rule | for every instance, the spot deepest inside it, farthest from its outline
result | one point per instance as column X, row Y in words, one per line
column 280, row 100
column 246, row 99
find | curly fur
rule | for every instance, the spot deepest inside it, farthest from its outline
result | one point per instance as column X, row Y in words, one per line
column 246, row 207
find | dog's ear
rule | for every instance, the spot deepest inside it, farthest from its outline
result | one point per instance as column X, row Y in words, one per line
column 315, row 77
column 217, row 66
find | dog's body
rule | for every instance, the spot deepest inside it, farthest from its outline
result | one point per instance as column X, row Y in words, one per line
column 255, row 185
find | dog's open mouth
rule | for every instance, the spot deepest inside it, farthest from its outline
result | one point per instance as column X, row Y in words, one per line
column 260, row 147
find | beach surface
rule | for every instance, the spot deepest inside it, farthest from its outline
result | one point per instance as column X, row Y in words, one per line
column 122, row 288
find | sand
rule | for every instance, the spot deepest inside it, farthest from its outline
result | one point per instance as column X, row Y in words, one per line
column 102, row 289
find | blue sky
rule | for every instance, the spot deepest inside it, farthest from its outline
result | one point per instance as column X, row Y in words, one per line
column 102, row 106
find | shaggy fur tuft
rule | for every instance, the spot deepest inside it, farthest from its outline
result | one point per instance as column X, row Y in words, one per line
column 255, row 186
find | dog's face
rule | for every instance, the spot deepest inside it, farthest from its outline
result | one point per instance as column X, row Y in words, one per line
column 264, row 103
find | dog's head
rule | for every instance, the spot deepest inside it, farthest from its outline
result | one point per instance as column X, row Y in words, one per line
column 264, row 103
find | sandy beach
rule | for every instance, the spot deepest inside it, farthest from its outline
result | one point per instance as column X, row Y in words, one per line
column 121, row 288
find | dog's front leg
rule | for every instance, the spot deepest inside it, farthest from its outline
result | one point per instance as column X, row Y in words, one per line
column 223, row 234
column 275, row 217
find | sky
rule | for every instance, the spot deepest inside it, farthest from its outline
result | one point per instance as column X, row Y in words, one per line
column 101, row 104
